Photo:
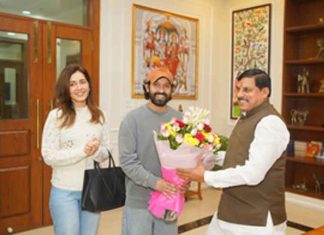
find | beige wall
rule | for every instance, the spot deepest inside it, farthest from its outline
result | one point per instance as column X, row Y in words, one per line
column 214, row 60
column 115, row 54
column 222, row 58
column 214, row 55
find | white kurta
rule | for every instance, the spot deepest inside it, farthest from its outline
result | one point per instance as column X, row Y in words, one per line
column 270, row 140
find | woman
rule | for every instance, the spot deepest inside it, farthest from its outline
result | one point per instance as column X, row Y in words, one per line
column 75, row 135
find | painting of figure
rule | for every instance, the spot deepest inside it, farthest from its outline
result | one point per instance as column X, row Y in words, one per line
column 165, row 39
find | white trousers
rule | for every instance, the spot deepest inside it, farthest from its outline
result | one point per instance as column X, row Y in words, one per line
column 220, row 227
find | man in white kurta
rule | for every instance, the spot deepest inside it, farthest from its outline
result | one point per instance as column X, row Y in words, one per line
column 253, row 176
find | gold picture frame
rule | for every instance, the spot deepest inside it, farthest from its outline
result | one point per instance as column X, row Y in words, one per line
column 161, row 38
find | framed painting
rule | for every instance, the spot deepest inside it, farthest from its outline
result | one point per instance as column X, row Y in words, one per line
column 250, row 45
column 161, row 38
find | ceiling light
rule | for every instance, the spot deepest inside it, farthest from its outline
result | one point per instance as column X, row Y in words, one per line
column 26, row 12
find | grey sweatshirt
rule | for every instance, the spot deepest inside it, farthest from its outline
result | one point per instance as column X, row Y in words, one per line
column 138, row 156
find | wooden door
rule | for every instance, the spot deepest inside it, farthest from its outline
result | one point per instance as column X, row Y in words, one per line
column 28, row 81
column 63, row 44
column 20, row 162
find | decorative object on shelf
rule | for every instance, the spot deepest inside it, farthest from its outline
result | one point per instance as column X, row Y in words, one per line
column 301, row 186
column 301, row 50
column 298, row 117
column 320, row 156
column 313, row 148
column 300, row 148
column 319, row 183
column 291, row 148
column 250, row 45
column 303, row 81
column 320, row 44
column 293, row 119
column 321, row 90
column 161, row 38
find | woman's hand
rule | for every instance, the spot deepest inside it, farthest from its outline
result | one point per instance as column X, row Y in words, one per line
column 91, row 147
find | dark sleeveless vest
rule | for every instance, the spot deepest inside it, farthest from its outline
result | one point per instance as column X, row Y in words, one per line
column 249, row 205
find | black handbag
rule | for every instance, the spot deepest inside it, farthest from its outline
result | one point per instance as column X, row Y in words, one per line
column 103, row 188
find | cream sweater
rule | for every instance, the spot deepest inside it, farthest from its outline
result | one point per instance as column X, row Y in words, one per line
column 63, row 148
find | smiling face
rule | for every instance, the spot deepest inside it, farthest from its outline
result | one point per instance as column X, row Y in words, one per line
column 249, row 95
column 79, row 89
column 159, row 92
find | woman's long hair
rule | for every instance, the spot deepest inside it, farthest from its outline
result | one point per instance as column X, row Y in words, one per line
column 63, row 97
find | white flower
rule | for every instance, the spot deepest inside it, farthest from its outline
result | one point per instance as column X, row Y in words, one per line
column 196, row 115
column 194, row 132
column 179, row 138
column 185, row 119
column 176, row 127
column 163, row 127
column 165, row 133
column 200, row 126
column 173, row 121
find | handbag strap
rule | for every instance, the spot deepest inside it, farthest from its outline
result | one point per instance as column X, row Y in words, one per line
column 98, row 169
column 111, row 160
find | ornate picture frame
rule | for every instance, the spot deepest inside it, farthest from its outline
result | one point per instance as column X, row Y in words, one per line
column 161, row 38
column 251, row 35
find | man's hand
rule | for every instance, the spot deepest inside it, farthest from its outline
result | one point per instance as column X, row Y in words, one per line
column 166, row 188
column 196, row 173
column 183, row 188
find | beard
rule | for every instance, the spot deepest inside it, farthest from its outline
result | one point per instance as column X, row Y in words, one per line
column 160, row 101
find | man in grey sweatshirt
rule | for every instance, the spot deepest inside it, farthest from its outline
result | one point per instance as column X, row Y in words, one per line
column 139, row 158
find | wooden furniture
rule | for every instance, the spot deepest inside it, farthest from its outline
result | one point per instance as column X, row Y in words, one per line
column 317, row 231
column 197, row 192
column 303, row 28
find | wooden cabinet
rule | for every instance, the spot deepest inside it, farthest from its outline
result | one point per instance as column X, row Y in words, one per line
column 303, row 30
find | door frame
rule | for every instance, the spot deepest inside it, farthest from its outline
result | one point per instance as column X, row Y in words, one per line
column 52, row 31
column 37, row 29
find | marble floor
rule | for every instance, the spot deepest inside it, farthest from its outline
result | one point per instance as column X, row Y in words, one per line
column 197, row 213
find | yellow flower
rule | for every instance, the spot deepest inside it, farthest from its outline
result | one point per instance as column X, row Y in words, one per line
column 216, row 140
column 194, row 129
column 170, row 129
column 191, row 140
column 207, row 135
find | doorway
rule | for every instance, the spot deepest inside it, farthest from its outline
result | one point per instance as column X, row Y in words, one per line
column 32, row 54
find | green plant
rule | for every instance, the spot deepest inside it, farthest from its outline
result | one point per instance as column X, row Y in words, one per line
column 224, row 143
column 223, row 140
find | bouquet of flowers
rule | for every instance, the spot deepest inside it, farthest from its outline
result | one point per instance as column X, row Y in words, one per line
column 181, row 144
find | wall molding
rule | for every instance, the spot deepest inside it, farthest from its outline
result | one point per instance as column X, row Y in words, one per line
column 308, row 202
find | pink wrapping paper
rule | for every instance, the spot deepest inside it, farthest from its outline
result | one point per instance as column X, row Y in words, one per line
column 185, row 156
column 158, row 203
